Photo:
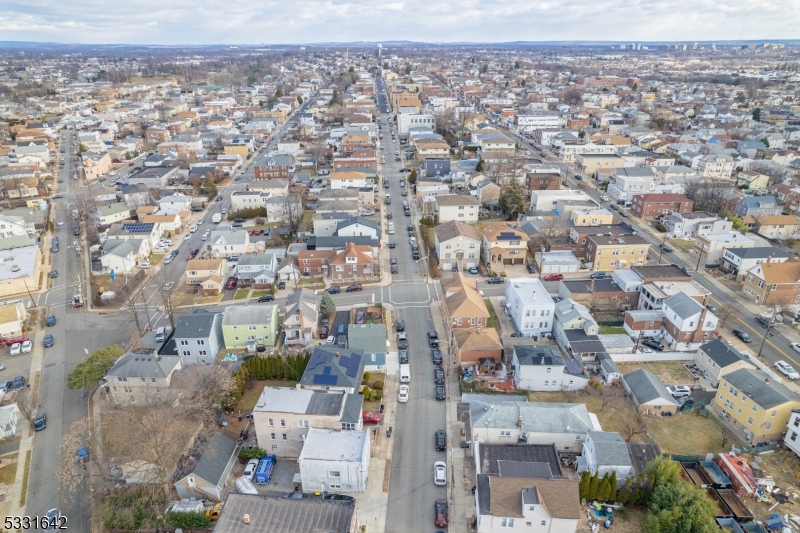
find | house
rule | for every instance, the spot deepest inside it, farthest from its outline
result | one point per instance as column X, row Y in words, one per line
column 511, row 503
column 680, row 225
column 246, row 326
column 653, row 294
column 357, row 227
column 11, row 225
column 547, row 201
column 257, row 270
column 571, row 315
column 651, row 206
column 334, row 368
column 346, row 179
column 648, row 393
column 488, row 193
column 282, row 416
column 198, row 337
column 556, row 262
column 543, row 368
column 136, row 230
column 687, row 323
column 107, row 215
column 21, row 274
column 773, row 283
column 719, row 166
column 96, row 165
column 8, row 421
column 300, row 311
column 463, row 305
column 436, row 166
column 122, row 256
column 607, row 253
column 457, row 243
column 370, row 339
column 136, row 375
column 278, row 514
column 756, row 206
column 225, row 243
column 504, row 422
column 334, row 461
column 529, row 306
column 740, row 260
column 715, row 359
column 605, row 452
column 778, row 227
column 171, row 224
column 752, row 180
column 275, row 166
column 503, row 243
column 12, row 317
column 355, row 261
column 475, row 346
column 204, row 475
column 460, row 207
column 756, row 407
column 210, row 274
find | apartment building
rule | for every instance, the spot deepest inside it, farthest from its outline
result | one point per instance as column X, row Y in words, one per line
column 608, row 253
column 773, row 283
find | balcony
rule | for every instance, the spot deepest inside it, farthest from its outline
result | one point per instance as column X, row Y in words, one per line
column 297, row 341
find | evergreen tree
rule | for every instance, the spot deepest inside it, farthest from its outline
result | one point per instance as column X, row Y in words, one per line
column 327, row 305
column 583, row 486
column 594, row 485
column 605, row 489
column 612, row 495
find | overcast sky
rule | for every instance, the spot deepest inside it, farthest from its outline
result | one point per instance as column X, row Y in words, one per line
column 309, row 21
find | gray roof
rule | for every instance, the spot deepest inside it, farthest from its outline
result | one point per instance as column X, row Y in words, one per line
column 238, row 315
column 257, row 259
column 300, row 401
column 121, row 247
column 369, row 338
column 537, row 417
column 337, row 205
column 683, row 305
column 211, row 455
column 195, row 325
column 284, row 515
column 334, row 367
column 641, row 454
column 143, row 365
column 279, row 160
column 492, row 455
column 721, row 353
column 538, row 355
column 610, row 448
column 353, row 405
column 237, row 236
column 760, row 388
column 305, row 300
column 646, row 387
column 759, row 252
column 335, row 242
column 357, row 220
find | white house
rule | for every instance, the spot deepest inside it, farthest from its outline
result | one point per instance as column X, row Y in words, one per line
column 605, row 452
column 530, row 306
column 172, row 205
column 459, row 243
column 334, row 461
column 687, row 324
column 109, row 214
column 226, row 243
column 11, row 225
column 460, row 207
column 547, row 201
column 248, row 200
column 792, row 438
column 357, row 227
column 409, row 120
column 693, row 224
column 121, row 255
column 543, row 368
column 715, row 166
column 8, row 421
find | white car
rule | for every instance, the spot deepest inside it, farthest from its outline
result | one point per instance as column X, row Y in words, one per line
column 27, row 346
column 786, row 369
column 193, row 229
column 795, row 346
column 16, row 349
column 439, row 473
column 679, row 391
column 112, row 173
column 144, row 265
column 331, row 340
column 188, row 237
column 60, row 223
column 402, row 395
column 168, row 285
column 200, row 222
column 250, row 469
column 168, row 242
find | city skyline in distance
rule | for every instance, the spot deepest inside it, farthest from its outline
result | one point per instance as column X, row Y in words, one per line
column 212, row 22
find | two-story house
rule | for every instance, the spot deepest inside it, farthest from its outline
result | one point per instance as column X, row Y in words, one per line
column 122, row 256
column 569, row 316
column 282, row 416
column 300, row 317
column 718, row 166
column 198, row 337
column 334, row 368
column 757, row 206
column 544, row 368
column 650, row 206
column 210, row 274
column 463, row 305
column 773, row 283
column 354, row 262
column 608, row 253
column 245, row 327
column 107, row 215
column 504, row 243
column 530, row 306
column 136, row 375
column 461, row 207
column 257, row 270
column 778, row 227
column 225, row 243
column 739, row 261
column 715, row 359
column 275, row 166
column 606, row 452
column 687, row 324
column 346, row 179
column 754, row 405
column 136, row 230
column 680, row 225
column 457, row 243
column 175, row 204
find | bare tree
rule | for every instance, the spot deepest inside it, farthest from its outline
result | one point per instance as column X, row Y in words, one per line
column 85, row 202
column 293, row 210
column 26, row 403
column 165, row 289
column 205, row 389
column 726, row 434
column 636, row 426
column 775, row 172
column 572, row 97
column 709, row 194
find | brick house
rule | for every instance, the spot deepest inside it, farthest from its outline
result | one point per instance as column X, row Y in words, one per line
column 773, row 283
column 354, row 261
column 315, row 262
column 277, row 166
column 650, row 206
column 543, row 182
column 477, row 345
column 598, row 294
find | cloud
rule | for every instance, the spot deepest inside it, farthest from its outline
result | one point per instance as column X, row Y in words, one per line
column 310, row 21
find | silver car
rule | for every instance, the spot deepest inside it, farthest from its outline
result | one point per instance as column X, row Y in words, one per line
column 786, row 369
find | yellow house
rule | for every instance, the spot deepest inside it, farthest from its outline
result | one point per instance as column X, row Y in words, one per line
column 755, row 406
column 592, row 217
column 608, row 253
column 236, row 149
column 754, row 180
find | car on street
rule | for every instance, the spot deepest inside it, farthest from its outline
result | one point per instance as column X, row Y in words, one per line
column 394, row 269
column 266, row 298
column 786, row 369
column 40, row 422
column 402, row 341
column 439, row 473
column 368, row 417
column 400, row 326
column 53, row 273
column 761, row 321
column 26, row 346
column 403, row 357
column 18, row 383
column 51, row 320
column 742, row 336
column 440, row 509
column 623, row 213
column 495, row 280
column 6, row 385
column 250, row 469
column 795, row 346
column 679, row 391
column 393, row 260
column 47, row 341
column 440, row 393
column 654, row 344
column 187, row 237
column 553, row 277
column 168, row 285
column 597, row 275
column 437, row 357
column 354, row 288
column 392, row 244
column 438, row 376
column 666, row 247
column 712, row 308
column 402, row 394
column 334, row 290
column 440, row 440
column 60, row 222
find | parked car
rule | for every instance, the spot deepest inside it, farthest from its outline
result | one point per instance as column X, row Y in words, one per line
column 530, row 268
column 266, row 298
column 440, row 393
column 679, row 391
column 231, row 283
column 554, row 277
column 666, row 247
column 360, row 317
column 495, row 280
column 795, row 346
column 341, row 340
column 168, row 285
column 16, row 348
column 742, row 336
column 392, row 244
column 51, row 320
column 354, row 288
column 403, row 357
column 437, row 357
column 654, row 344
column 473, row 270
column 439, row 473
column 433, row 339
column 47, row 341
column 440, row 440
column 368, row 417
column 402, row 394
column 18, row 382
column 761, row 321
column 786, row 369
column 334, row 290
column 27, row 346
column 712, row 308
column 250, row 469
column 40, row 422
column 400, row 325
column 331, row 340
column 402, row 341
column 438, row 376
column 53, row 273
column 597, row 275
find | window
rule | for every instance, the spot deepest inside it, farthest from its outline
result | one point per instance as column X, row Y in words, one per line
column 201, row 342
column 184, row 343
column 544, row 522
column 284, row 437
column 755, row 408
column 773, row 413
column 793, row 437
column 302, row 424
column 729, row 403
column 283, row 423
column 749, row 420
column 270, row 422
column 507, row 522
column 505, row 433
column 768, row 425
column 739, row 411
column 272, row 436
column 334, row 473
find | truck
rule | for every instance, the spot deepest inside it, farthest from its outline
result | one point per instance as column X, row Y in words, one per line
column 216, row 218
column 264, row 470
column 405, row 373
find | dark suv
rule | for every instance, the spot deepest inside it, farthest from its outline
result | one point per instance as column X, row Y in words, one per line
column 402, row 341
column 433, row 340
column 438, row 376
column 400, row 326
column 437, row 357
column 403, row 357
column 440, row 440
column 654, row 344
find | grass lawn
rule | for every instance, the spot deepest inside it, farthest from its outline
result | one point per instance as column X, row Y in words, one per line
column 311, row 281
column 241, row 294
column 682, row 244
column 611, row 330
column 669, row 372
column 686, row 433
column 305, row 224
column 492, row 322
column 427, row 235
column 259, row 294
column 630, row 519
column 156, row 258
column 9, row 471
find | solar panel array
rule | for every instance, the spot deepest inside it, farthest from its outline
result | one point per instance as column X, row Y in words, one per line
column 326, row 378
column 317, row 358
column 138, row 227
column 507, row 236
column 351, row 364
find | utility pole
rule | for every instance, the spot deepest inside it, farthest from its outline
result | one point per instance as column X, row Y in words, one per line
column 699, row 257
column 661, row 248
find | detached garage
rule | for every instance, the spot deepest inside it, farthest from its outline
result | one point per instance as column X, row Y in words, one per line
column 648, row 393
column 562, row 262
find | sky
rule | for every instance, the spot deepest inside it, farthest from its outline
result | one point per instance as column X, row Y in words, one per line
column 172, row 22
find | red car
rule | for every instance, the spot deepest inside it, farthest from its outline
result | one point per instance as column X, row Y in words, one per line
column 251, row 232
column 130, row 164
column 440, row 507
column 368, row 417
column 354, row 288
column 232, row 283
column 553, row 277
column 13, row 340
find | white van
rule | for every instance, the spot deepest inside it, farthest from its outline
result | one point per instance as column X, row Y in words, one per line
column 405, row 373
column 391, row 228
column 161, row 334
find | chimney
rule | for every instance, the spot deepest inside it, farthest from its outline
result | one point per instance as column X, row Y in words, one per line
column 337, row 354
column 519, row 421
column 246, row 519
column 766, row 380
